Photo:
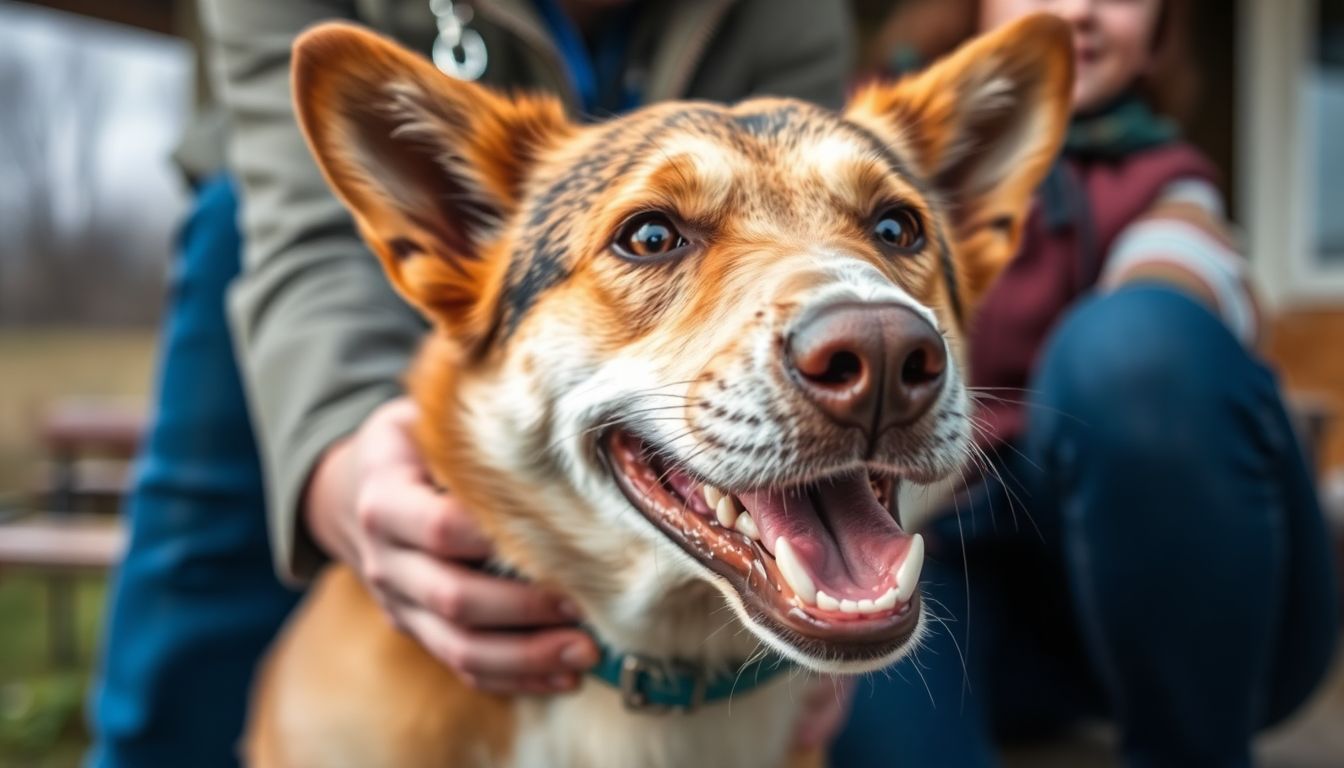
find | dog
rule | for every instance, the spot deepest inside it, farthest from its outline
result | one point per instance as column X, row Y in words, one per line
column 681, row 360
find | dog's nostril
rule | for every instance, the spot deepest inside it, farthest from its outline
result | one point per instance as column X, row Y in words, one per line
column 844, row 367
column 921, row 367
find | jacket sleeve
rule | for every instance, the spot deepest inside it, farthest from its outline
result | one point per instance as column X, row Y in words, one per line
column 802, row 49
column 1185, row 241
column 321, row 337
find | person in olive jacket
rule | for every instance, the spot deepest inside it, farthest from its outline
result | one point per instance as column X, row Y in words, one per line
column 321, row 341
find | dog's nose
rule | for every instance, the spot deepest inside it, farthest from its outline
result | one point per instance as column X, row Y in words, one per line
column 870, row 366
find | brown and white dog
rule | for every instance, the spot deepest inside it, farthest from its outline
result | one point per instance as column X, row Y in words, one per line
column 681, row 360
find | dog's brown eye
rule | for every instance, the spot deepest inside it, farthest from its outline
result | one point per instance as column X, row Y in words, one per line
column 649, row 236
column 900, row 230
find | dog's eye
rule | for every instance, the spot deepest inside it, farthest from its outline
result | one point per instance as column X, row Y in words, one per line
column 648, row 236
column 900, row 230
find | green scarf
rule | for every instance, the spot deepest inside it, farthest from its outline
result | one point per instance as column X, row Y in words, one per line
column 1126, row 126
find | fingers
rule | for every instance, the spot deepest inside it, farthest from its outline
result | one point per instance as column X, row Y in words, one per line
column 395, row 500
column 387, row 436
column 502, row 659
column 400, row 507
column 414, row 545
column 466, row 597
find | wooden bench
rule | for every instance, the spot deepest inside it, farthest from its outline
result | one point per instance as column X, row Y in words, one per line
column 63, row 542
column 89, row 447
column 61, row 546
column 77, row 433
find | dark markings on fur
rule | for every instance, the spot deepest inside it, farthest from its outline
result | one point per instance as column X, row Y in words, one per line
column 895, row 163
column 770, row 124
column 542, row 260
column 950, row 275
column 900, row 168
column 404, row 247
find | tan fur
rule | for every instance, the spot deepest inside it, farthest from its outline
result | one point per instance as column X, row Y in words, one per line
column 337, row 650
column 494, row 216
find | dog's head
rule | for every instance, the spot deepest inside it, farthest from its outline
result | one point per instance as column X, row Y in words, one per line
column 698, row 347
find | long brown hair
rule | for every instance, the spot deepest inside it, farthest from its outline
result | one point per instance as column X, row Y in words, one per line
column 1171, row 84
column 931, row 29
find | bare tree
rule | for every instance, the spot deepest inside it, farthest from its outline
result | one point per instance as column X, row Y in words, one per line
column 66, row 255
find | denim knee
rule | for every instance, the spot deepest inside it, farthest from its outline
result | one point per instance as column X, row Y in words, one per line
column 1146, row 373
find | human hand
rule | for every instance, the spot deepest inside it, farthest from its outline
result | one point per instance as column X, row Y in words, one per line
column 371, row 504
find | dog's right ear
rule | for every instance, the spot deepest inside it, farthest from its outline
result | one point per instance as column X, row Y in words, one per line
column 983, row 125
column 430, row 166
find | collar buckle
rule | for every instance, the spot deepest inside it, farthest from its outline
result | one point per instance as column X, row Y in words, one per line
column 637, row 672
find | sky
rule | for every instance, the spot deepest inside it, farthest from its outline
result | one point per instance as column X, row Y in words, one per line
column 93, row 111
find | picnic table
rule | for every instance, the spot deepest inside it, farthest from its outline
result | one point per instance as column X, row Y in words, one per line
column 89, row 447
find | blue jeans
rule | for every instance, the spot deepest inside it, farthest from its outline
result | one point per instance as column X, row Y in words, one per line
column 1153, row 555
column 195, row 602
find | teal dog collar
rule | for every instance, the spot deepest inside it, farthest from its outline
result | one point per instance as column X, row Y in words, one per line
column 656, row 686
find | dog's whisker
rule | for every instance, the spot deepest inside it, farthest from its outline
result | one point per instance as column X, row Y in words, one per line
column 981, row 396
column 966, row 580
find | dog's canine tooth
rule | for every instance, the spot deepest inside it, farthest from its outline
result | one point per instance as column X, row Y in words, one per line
column 793, row 571
column 726, row 511
column 712, row 495
column 747, row 526
column 887, row 601
column 907, row 576
column 827, row 603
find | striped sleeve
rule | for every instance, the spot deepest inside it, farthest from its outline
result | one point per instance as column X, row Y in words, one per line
column 1184, row 239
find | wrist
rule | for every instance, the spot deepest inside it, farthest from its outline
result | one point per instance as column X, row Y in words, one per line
column 328, row 501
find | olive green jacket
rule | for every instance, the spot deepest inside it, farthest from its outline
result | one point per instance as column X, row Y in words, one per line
column 320, row 335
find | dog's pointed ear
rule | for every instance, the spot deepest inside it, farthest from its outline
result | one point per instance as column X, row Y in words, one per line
column 430, row 166
column 983, row 125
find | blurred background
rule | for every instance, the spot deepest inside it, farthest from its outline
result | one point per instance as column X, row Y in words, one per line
column 93, row 98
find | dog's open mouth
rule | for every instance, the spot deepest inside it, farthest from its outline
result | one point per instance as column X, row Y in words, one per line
column 825, row 565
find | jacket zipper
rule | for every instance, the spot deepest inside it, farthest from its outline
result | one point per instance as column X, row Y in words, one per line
column 539, row 42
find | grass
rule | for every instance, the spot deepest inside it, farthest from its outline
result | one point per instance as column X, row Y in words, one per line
column 41, row 703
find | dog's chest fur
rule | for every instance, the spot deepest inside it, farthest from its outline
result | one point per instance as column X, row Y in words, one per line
column 592, row 728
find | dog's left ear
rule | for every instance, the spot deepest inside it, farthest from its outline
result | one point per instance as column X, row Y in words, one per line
column 430, row 166
column 983, row 126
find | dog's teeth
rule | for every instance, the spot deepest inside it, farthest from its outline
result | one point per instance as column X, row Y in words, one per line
column 712, row 496
column 887, row 601
column 726, row 511
column 747, row 526
column 793, row 571
column 867, row 605
column 907, row 576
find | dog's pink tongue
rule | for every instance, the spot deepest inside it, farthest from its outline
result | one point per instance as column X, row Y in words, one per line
column 849, row 543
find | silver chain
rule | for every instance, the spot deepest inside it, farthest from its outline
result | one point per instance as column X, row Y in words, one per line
column 458, row 50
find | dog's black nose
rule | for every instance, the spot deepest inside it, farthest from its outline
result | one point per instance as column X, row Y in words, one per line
column 870, row 366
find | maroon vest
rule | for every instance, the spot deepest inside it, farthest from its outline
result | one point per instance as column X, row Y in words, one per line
column 1078, row 214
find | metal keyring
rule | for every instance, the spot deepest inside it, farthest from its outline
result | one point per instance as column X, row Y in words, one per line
column 458, row 50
